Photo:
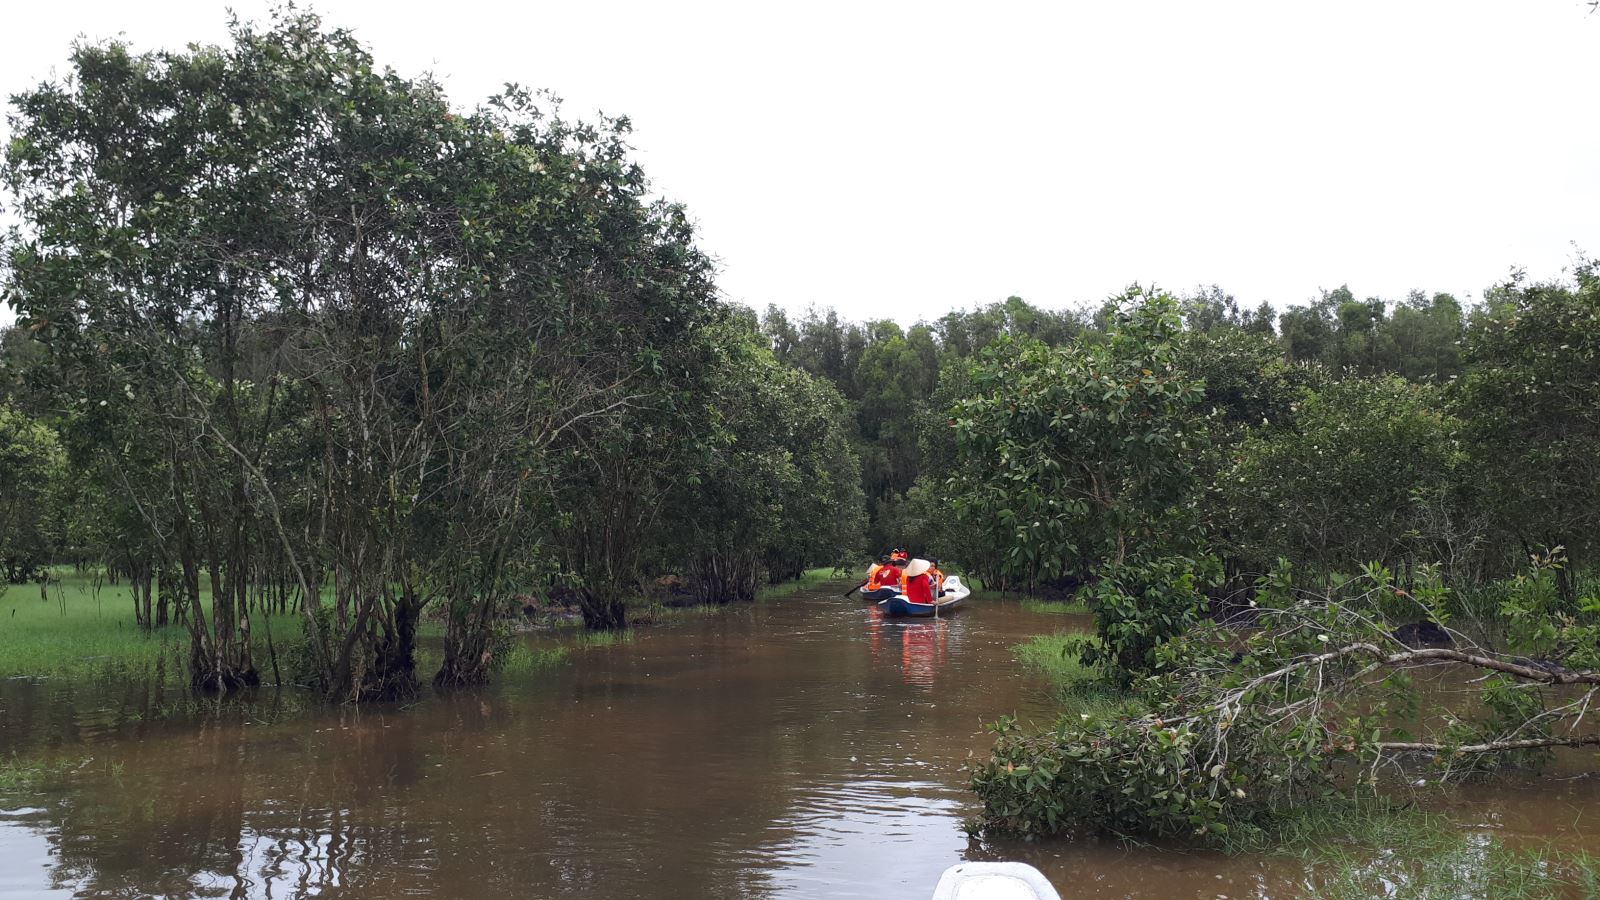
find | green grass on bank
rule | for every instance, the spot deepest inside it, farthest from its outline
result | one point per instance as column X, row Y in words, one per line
column 810, row 578
column 87, row 629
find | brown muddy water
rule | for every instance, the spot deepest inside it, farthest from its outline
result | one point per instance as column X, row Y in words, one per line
column 801, row 748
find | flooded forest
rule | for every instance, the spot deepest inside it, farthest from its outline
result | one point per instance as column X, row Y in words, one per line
column 392, row 503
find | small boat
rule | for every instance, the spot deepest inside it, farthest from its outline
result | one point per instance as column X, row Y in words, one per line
column 955, row 591
column 883, row 593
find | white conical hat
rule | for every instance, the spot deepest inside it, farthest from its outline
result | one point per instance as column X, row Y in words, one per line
column 917, row 567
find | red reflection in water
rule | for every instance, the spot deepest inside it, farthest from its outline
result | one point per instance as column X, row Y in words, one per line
column 923, row 647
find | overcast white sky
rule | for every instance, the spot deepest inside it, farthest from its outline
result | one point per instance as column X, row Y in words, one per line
column 902, row 159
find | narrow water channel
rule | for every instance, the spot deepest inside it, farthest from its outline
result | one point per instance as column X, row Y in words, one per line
column 804, row 747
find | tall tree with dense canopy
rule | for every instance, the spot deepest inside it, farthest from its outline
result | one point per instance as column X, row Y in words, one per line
column 367, row 333
column 1079, row 452
column 1531, row 401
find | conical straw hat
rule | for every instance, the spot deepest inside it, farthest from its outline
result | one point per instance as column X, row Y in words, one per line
column 917, row 567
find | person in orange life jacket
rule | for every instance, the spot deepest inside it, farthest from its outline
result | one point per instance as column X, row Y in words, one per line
column 936, row 576
column 918, row 587
column 900, row 554
column 884, row 581
column 895, row 576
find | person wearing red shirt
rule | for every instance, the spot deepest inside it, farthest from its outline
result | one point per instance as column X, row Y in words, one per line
column 918, row 586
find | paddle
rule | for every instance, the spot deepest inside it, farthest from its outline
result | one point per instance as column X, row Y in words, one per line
column 854, row 589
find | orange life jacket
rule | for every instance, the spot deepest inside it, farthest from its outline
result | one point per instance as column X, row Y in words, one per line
column 872, row 577
column 937, row 577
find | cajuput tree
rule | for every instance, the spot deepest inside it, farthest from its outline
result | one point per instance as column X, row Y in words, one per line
column 370, row 338
column 771, row 484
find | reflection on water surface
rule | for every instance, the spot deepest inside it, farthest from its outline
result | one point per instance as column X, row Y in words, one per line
column 806, row 748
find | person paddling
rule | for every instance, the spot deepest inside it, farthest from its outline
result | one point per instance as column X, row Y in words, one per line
column 936, row 576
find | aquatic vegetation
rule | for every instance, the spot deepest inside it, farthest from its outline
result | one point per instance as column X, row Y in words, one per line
column 1055, row 607
column 522, row 659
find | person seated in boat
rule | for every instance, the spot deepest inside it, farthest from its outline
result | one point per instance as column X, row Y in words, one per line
column 899, row 554
column 873, row 570
column 883, row 580
column 936, row 576
column 918, row 587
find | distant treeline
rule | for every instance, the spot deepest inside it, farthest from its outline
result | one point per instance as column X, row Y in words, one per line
column 902, row 382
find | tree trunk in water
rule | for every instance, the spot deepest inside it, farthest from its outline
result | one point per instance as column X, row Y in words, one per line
column 603, row 611
column 468, row 644
column 393, row 673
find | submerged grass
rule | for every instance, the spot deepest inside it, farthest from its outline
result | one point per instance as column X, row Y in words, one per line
column 1055, row 607
column 526, row 660
column 1080, row 688
column 594, row 640
column 20, row 776
column 1376, row 849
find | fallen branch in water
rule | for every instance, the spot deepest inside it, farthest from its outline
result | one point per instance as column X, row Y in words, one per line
column 1489, row 746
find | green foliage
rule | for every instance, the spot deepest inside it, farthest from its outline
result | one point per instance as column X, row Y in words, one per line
column 1142, row 603
column 307, row 318
column 1349, row 482
column 1542, row 623
column 1247, row 381
column 894, row 380
column 1079, row 454
column 33, row 472
column 1236, row 729
column 771, row 485
column 1530, row 399
column 1111, row 775
column 1416, row 338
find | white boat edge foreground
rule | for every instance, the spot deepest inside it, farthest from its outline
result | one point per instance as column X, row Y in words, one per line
column 994, row 881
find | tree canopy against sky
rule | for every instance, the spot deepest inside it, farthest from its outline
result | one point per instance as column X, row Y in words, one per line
column 1312, row 143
